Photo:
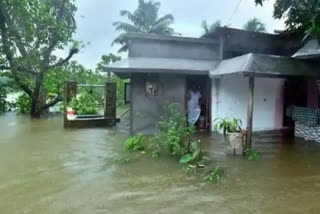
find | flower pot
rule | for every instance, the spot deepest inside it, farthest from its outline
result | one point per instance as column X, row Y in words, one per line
column 236, row 144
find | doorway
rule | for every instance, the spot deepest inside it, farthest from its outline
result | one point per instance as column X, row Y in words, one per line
column 295, row 93
column 202, row 84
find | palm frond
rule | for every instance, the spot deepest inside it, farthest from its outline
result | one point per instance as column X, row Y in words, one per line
column 124, row 48
column 121, row 39
column 204, row 25
column 168, row 19
column 254, row 25
column 122, row 26
column 129, row 15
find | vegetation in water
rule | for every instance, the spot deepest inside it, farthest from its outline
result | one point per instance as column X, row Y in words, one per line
column 174, row 134
column 174, row 138
column 227, row 125
column 253, row 154
column 136, row 143
column 214, row 175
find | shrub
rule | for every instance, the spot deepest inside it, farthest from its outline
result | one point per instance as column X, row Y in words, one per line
column 174, row 133
column 136, row 143
column 253, row 154
column 214, row 175
column 87, row 102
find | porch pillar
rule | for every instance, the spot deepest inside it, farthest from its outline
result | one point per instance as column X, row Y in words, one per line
column 250, row 113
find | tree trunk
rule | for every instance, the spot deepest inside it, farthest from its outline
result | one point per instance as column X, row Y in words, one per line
column 36, row 100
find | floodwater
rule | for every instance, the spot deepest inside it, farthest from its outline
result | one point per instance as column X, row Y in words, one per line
column 47, row 169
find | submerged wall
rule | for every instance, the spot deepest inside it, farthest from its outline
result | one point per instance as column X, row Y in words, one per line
column 230, row 99
column 146, row 109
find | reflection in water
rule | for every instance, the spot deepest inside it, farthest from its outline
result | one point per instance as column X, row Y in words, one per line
column 47, row 169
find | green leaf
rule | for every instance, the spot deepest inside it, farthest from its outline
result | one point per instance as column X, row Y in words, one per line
column 196, row 153
column 186, row 158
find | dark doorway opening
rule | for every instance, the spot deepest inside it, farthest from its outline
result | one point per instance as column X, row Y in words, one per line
column 295, row 93
column 203, row 85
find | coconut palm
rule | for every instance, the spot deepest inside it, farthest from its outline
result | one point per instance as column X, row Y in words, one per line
column 255, row 25
column 210, row 28
column 144, row 20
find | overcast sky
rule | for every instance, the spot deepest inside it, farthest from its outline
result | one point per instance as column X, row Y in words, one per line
column 95, row 17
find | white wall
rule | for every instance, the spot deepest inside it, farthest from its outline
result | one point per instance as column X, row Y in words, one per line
column 230, row 99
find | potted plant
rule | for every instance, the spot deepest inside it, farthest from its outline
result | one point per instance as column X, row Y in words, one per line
column 231, row 129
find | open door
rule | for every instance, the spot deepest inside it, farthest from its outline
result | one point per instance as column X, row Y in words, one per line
column 203, row 85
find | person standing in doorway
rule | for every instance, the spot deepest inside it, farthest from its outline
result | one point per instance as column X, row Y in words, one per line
column 194, row 110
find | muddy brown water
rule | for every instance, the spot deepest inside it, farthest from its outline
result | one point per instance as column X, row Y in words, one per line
column 47, row 169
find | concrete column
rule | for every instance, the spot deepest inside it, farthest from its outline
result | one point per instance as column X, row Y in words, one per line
column 250, row 113
column 110, row 101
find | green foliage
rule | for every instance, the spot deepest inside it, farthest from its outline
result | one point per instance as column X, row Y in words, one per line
column 174, row 133
column 87, row 102
column 253, row 154
column 23, row 104
column 255, row 25
column 106, row 60
column 143, row 20
column 193, row 154
column 214, row 175
column 227, row 125
column 300, row 16
column 136, row 143
column 3, row 102
column 31, row 32
column 174, row 139
column 186, row 158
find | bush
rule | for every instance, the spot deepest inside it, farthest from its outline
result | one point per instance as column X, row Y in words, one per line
column 214, row 175
column 174, row 133
column 136, row 143
column 253, row 154
column 87, row 102
column 174, row 138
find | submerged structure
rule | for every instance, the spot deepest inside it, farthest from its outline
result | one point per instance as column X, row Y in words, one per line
column 247, row 75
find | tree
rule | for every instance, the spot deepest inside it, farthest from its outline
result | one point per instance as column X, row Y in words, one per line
column 30, row 32
column 143, row 20
column 254, row 25
column 300, row 16
column 210, row 28
column 106, row 60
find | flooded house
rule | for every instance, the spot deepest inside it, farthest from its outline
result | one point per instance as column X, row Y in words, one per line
column 248, row 75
